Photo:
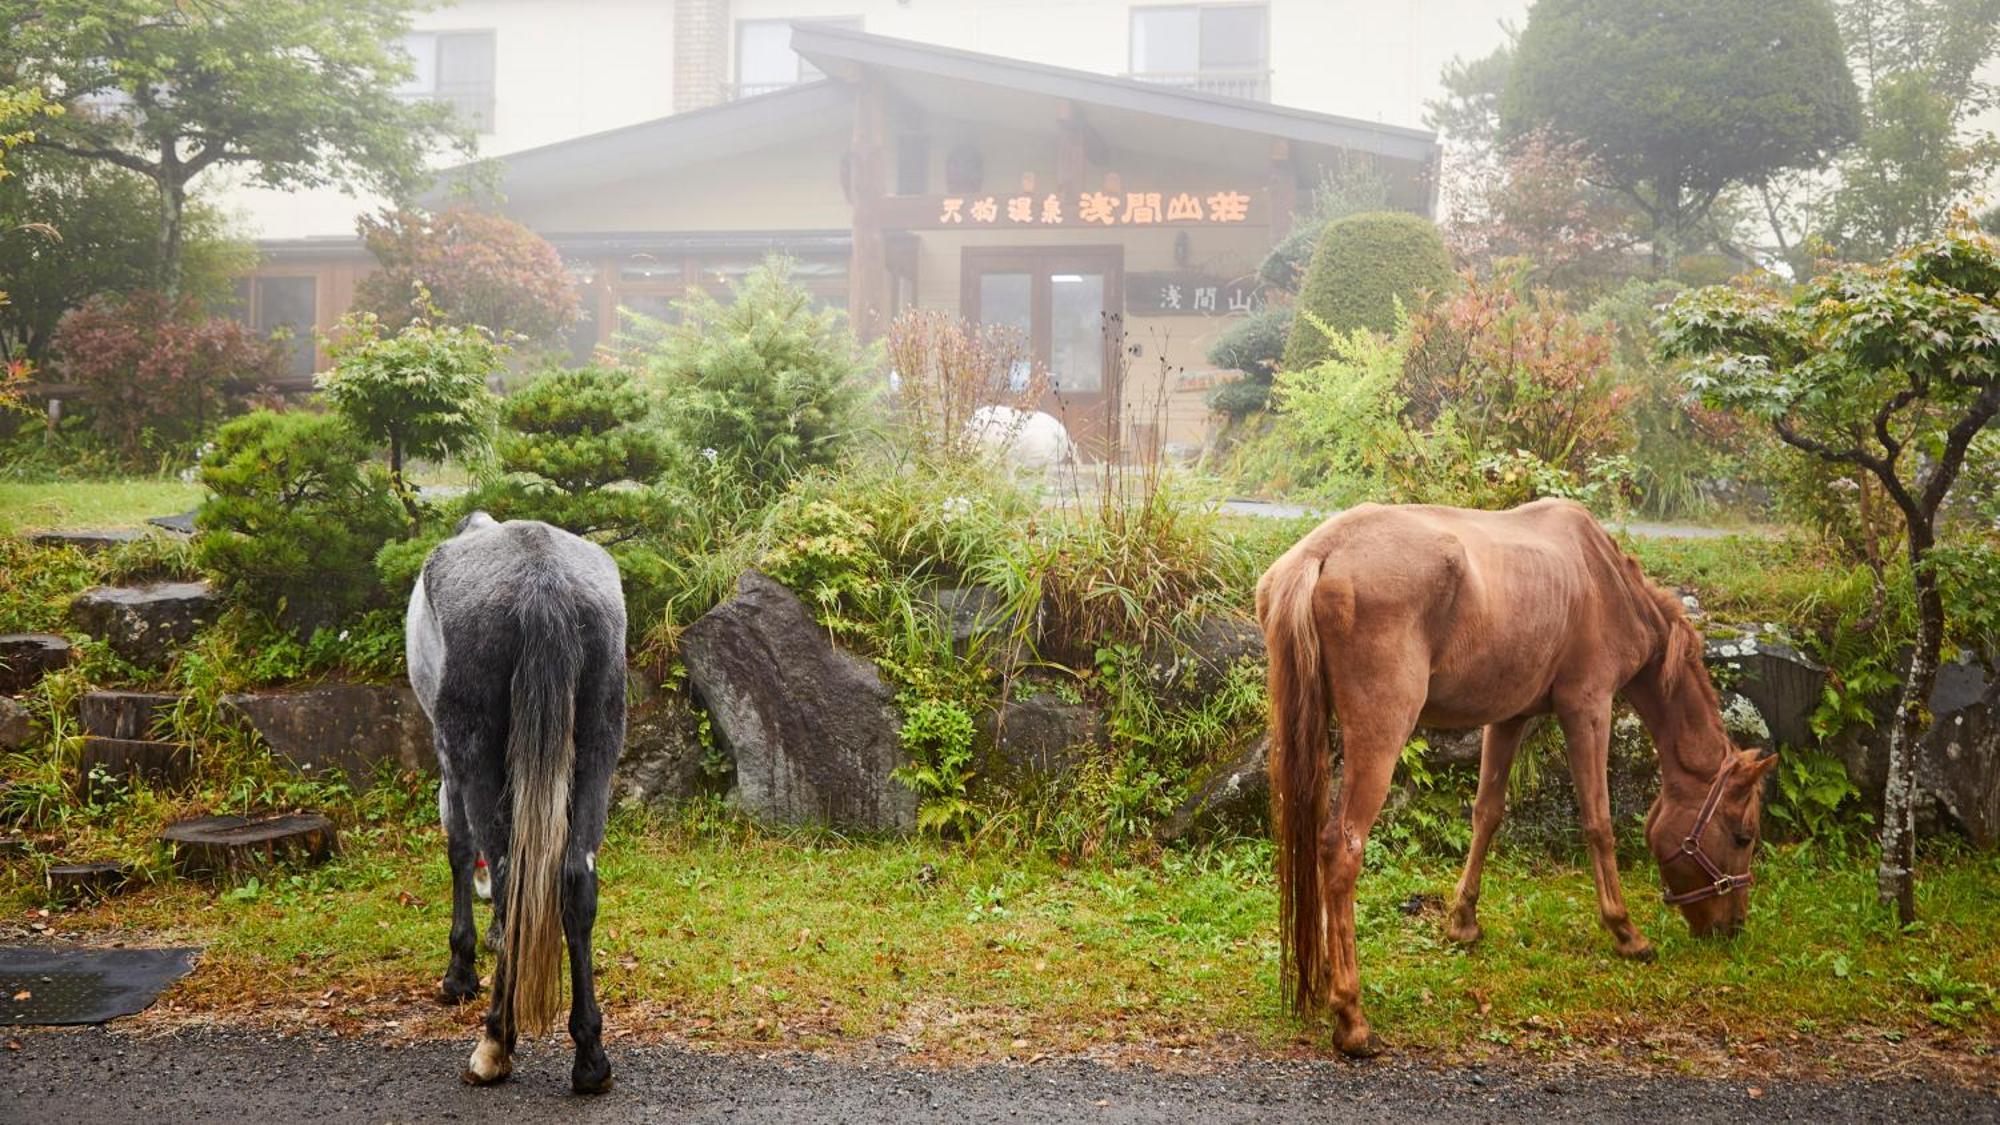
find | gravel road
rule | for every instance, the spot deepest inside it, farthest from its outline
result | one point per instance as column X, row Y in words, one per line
column 241, row 1076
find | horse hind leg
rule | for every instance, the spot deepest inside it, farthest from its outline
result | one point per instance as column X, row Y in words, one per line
column 1587, row 731
column 479, row 791
column 599, row 735
column 1496, row 758
column 461, row 978
column 1370, row 756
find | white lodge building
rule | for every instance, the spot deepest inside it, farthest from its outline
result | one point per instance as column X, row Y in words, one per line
column 1140, row 166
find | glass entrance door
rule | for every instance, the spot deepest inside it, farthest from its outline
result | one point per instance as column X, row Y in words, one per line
column 1065, row 303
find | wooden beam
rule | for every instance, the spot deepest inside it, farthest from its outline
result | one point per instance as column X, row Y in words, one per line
column 1282, row 188
column 868, row 159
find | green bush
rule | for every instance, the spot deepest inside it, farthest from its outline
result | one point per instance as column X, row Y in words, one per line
column 1252, row 345
column 769, row 384
column 1364, row 265
column 420, row 390
column 296, row 516
column 576, row 452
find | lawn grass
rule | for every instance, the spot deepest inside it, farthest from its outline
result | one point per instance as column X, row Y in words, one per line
column 92, row 505
column 716, row 931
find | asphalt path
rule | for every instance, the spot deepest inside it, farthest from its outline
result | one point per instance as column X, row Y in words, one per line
column 237, row 1076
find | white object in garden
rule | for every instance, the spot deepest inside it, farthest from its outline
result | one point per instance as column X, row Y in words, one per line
column 1029, row 439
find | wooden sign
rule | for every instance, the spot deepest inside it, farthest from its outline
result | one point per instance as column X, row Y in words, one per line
column 1071, row 210
column 1181, row 293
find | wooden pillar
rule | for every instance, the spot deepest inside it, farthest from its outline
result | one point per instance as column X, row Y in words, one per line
column 1282, row 187
column 868, row 159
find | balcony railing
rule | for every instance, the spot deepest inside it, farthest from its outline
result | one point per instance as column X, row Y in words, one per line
column 732, row 91
column 1252, row 85
column 470, row 102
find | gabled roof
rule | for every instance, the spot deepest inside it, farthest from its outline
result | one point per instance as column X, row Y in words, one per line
column 845, row 53
column 631, row 151
column 923, row 78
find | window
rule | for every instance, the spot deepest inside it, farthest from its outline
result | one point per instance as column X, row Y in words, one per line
column 765, row 60
column 284, row 304
column 1214, row 48
column 454, row 67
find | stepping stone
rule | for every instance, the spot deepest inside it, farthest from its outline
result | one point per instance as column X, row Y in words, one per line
column 26, row 657
column 86, row 880
column 182, row 524
column 89, row 542
column 217, row 845
column 145, row 624
column 106, row 764
column 124, row 714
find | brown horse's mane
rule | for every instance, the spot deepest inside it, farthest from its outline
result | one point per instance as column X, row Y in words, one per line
column 1683, row 677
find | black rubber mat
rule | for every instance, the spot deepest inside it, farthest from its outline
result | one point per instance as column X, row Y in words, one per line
column 45, row 985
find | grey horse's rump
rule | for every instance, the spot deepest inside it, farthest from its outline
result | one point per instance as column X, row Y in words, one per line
column 516, row 645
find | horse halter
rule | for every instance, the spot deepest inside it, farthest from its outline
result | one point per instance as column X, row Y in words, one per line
column 1719, row 883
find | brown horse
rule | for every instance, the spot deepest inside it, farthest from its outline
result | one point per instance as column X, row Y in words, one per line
column 1391, row 616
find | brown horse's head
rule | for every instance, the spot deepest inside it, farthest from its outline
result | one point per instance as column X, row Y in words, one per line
column 1707, row 874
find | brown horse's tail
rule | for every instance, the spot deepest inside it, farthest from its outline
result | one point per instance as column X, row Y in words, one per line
column 1300, row 706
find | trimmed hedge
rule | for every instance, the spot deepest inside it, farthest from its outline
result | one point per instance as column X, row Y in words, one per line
column 1363, row 265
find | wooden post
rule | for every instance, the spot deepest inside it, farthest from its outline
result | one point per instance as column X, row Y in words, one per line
column 1283, row 189
column 868, row 266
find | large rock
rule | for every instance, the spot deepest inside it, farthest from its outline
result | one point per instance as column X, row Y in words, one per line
column 26, row 657
column 89, row 542
column 812, row 729
column 1233, row 798
column 345, row 726
column 144, row 624
column 1042, row 735
column 124, row 714
column 1199, row 657
column 1783, row 684
column 17, row 726
column 1958, row 757
column 978, row 620
column 663, row 759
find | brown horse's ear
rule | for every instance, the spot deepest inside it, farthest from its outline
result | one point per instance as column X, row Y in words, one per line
column 1762, row 763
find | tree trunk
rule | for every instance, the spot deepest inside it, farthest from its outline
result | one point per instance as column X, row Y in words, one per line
column 1895, row 880
column 402, row 486
column 167, row 257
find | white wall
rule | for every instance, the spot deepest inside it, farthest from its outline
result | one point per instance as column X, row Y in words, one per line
column 564, row 68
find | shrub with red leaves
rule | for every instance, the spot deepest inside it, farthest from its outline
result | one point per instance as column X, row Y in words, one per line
column 478, row 269
column 155, row 374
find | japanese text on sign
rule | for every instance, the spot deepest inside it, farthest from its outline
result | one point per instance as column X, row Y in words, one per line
column 1094, row 208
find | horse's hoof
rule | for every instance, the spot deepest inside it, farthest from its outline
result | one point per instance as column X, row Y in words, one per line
column 489, row 1065
column 1463, row 935
column 1641, row 951
column 597, row 1080
column 1370, row 1046
column 455, row 991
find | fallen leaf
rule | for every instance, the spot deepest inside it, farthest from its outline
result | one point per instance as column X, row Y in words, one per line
column 24, row 994
column 13, row 1044
column 1756, row 1091
column 1020, row 1043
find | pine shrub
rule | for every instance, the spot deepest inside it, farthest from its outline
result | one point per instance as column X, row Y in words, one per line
column 1363, row 267
column 295, row 517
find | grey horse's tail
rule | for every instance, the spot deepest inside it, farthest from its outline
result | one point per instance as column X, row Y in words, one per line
column 541, row 757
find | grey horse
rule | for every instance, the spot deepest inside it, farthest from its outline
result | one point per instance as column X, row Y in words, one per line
column 516, row 645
